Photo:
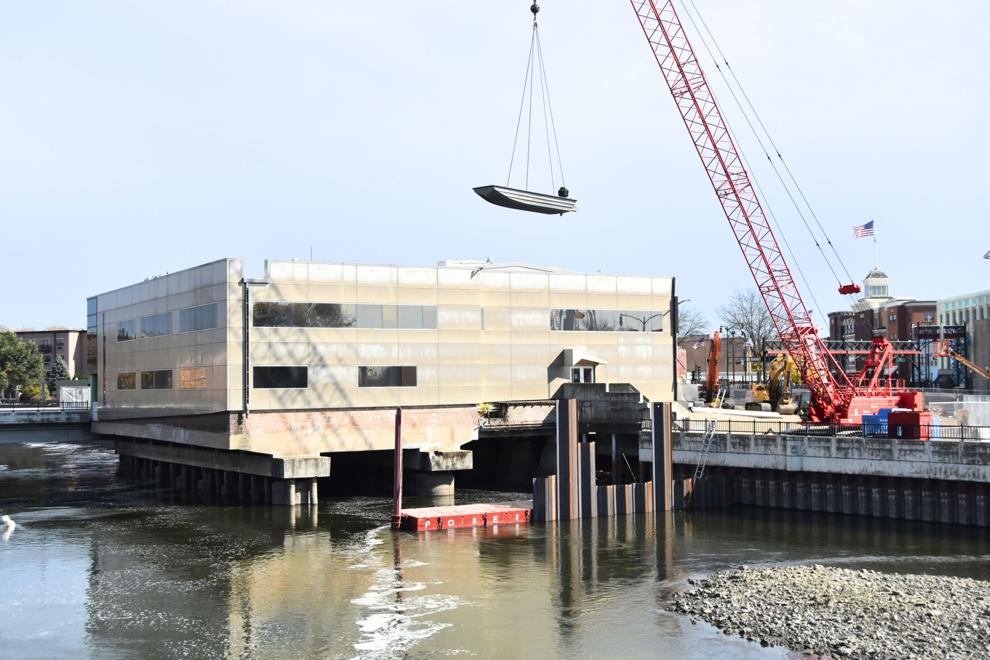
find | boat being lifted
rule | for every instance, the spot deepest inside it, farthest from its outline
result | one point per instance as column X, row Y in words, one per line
column 526, row 200
column 522, row 199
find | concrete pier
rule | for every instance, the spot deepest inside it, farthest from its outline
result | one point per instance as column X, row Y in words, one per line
column 202, row 476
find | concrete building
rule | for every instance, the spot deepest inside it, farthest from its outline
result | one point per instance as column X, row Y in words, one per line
column 970, row 312
column 968, row 308
column 273, row 376
column 68, row 344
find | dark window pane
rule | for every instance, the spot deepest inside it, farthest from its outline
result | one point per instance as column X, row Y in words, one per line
column 157, row 325
column 90, row 306
column 605, row 320
column 303, row 315
column 330, row 315
column 126, row 330
column 127, row 381
column 156, row 380
column 203, row 317
column 386, row 376
column 281, row 377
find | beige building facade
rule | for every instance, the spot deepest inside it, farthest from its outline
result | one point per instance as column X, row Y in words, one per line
column 313, row 358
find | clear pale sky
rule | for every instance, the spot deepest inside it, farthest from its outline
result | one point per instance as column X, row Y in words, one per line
column 138, row 138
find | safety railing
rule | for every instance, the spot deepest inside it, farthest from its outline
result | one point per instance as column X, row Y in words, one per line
column 870, row 430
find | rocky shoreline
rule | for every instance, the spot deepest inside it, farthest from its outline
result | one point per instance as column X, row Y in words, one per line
column 843, row 613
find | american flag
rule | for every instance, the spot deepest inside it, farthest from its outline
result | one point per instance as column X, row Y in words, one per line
column 862, row 231
column 698, row 344
column 987, row 255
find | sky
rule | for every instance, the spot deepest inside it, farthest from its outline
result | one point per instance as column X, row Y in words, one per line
column 138, row 138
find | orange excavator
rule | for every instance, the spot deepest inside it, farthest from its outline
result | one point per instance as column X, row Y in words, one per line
column 712, row 392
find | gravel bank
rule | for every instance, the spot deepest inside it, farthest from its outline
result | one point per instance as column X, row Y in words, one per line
column 846, row 613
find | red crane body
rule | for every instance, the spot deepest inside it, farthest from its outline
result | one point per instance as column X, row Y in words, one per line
column 834, row 396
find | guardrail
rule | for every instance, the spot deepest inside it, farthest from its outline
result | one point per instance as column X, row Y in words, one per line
column 878, row 430
column 34, row 406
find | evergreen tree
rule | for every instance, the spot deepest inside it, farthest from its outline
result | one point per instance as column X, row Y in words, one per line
column 60, row 371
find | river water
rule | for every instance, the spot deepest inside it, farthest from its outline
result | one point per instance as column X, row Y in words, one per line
column 100, row 568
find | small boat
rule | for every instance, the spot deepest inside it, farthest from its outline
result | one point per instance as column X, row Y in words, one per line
column 524, row 200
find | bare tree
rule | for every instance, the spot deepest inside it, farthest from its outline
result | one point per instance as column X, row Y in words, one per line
column 689, row 322
column 747, row 313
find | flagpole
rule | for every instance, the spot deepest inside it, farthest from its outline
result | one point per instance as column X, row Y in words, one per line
column 876, row 253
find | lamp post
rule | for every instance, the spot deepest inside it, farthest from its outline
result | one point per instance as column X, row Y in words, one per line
column 645, row 321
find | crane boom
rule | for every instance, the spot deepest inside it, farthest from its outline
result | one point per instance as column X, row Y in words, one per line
column 709, row 132
column 944, row 349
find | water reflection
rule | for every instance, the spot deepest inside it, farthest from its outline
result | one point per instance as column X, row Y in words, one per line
column 98, row 567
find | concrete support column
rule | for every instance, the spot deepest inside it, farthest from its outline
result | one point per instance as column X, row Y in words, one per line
column 434, row 484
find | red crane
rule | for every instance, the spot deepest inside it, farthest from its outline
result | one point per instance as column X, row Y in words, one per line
column 834, row 396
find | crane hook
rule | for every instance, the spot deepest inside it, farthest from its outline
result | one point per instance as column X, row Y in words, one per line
column 535, row 9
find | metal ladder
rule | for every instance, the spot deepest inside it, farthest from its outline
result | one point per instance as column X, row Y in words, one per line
column 719, row 398
column 706, row 447
column 699, row 470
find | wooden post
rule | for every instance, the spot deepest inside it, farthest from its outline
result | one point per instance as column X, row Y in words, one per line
column 397, row 476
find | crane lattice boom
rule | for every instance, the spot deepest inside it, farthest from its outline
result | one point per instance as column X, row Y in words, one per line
column 742, row 207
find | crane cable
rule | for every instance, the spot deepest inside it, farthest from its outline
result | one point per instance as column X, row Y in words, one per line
column 534, row 61
column 766, row 203
column 690, row 5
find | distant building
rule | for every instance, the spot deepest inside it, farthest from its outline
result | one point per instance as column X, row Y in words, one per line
column 841, row 325
column 971, row 314
column 900, row 316
column 69, row 344
column 867, row 321
column 965, row 309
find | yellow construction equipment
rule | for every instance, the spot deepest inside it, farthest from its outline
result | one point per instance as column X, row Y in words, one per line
column 777, row 390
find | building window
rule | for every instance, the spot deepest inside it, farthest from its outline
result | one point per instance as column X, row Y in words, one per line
column 334, row 315
column 160, row 379
column 59, row 343
column 126, row 330
column 605, row 320
column 158, row 325
column 192, row 378
column 302, row 315
column 893, row 317
column 127, row 381
column 386, row 376
column 281, row 377
column 203, row 317
column 582, row 374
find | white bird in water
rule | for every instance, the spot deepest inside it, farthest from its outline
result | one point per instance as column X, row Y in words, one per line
column 8, row 526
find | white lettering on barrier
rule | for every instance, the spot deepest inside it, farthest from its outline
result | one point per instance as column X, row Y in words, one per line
column 450, row 522
column 426, row 524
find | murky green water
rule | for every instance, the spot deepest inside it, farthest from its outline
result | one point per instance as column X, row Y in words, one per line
column 98, row 568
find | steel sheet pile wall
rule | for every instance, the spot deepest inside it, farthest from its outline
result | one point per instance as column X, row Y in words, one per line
column 574, row 493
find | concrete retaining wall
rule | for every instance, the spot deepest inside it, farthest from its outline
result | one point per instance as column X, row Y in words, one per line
column 916, row 459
